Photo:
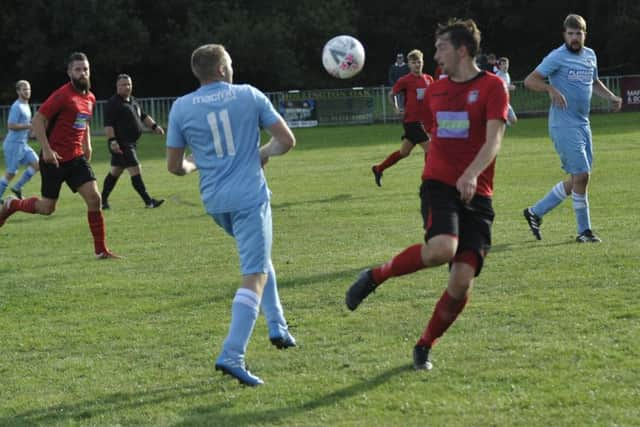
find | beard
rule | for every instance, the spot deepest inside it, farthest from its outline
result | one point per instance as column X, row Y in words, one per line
column 81, row 84
column 574, row 47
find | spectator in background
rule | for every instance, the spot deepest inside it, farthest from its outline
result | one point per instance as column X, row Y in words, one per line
column 397, row 70
column 492, row 63
column 503, row 73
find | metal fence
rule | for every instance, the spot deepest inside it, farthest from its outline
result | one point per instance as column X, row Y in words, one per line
column 358, row 105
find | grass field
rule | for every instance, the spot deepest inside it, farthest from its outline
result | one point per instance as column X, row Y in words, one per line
column 550, row 337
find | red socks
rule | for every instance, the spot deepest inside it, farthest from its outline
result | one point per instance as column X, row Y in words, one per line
column 445, row 313
column 406, row 262
column 26, row 205
column 96, row 224
column 389, row 161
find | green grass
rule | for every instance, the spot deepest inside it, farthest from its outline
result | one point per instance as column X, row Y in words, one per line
column 550, row 337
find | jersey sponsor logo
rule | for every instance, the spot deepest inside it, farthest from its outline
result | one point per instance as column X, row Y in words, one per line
column 472, row 96
column 453, row 124
column 420, row 93
column 81, row 121
column 585, row 76
column 220, row 96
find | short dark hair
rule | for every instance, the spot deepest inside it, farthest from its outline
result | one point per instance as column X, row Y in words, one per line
column 76, row 56
column 461, row 33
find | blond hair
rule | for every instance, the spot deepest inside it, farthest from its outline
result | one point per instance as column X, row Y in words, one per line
column 22, row 83
column 206, row 60
column 415, row 54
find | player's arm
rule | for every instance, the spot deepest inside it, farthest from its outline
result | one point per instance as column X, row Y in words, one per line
column 177, row 163
column 39, row 126
column 603, row 91
column 468, row 181
column 86, row 143
column 151, row 124
column 537, row 82
column 19, row 126
column 110, row 133
column 282, row 140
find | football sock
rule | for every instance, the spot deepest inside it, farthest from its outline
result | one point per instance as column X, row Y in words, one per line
column 26, row 176
column 26, row 205
column 389, row 161
column 581, row 209
column 445, row 313
column 108, row 186
column 138, row 184
column 3, row 185
column 271, row 306
column 96, row 225
column 550, row 201
column 406, row 262
column 244, row 312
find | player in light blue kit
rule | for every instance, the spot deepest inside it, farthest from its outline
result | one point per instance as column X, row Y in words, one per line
column 16, row 150
column 220, row 123
column 572, row 70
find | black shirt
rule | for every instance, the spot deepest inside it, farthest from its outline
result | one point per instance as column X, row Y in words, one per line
column 126, row 118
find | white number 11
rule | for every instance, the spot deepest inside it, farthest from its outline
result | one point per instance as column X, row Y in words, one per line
column 223, row 116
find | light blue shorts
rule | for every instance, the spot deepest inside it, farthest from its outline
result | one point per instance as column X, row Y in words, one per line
column 18, row 154
column 252, row 229
column 573, row 144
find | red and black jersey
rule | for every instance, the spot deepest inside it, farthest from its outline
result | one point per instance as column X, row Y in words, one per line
column 414, row 88
column 456, row 118
column 68, row 112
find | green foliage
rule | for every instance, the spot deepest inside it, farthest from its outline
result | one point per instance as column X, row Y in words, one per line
column 550, row 336
column 277, row 45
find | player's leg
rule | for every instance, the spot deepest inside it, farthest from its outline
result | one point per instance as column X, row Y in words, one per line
column 447, row 309
column 30, row 159
column 110, row 181
column 475, row 241
column 279, row 334
column 442, row 243
column 253, row 239
column 581, row 168
column 133, row 167
column 12, row 162
column 562, row 141
column 82, row 180
column 414, row 133
column 52, row 178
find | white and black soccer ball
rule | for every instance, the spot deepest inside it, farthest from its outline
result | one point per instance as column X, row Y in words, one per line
column 343, row 57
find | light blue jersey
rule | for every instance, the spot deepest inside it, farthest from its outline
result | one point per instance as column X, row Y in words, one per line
column 220, row 123
column 20, row 113
column 573, row 74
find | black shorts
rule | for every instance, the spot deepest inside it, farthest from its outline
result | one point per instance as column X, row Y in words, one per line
column 414, row 133
column 127, row 159
column 75, row 172
column 444, row 213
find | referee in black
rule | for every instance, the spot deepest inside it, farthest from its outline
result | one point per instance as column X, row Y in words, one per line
column 123, row 121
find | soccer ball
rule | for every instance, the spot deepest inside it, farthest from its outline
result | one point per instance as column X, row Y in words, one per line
column 343, row 57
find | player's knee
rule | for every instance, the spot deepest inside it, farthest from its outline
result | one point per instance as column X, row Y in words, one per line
column 438, row 252
column 46, row 208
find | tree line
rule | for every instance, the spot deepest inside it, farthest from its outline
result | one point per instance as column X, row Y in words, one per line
column 277, row 45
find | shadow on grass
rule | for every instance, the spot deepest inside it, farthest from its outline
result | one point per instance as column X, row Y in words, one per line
column 214, row 414
column 202, row 415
